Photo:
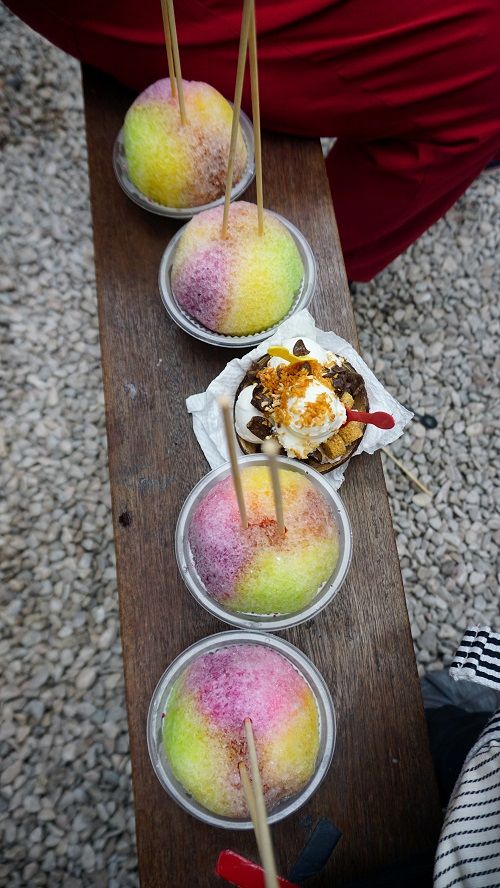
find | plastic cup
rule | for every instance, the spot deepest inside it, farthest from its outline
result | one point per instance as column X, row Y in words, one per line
column 271, row 622
column 159, row 701
column 190, row 325
column 121, row 172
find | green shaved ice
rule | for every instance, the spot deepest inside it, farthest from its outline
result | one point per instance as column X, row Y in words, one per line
column 281, row 582
column 197, row 756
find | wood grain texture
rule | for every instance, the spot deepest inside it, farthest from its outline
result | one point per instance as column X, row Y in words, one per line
column 380, row 790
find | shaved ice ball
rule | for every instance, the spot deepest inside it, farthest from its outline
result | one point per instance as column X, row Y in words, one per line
column 203, row 727
column 240, row 284
column 180, row 165
column 259, row 570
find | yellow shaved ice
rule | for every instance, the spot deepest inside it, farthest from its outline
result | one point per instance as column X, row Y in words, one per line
column 180, row 165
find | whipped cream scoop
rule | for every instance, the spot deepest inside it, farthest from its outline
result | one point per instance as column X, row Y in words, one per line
column 313, row 418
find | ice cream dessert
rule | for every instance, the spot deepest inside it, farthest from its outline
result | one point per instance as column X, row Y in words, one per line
column 180, row 165
column 260, row 569
column 298, row 393
column 203, row 727
column 242, row 283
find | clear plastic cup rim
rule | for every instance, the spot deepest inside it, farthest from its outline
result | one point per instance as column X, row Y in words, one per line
column 267, row 622
column 159, row 700
column 121, row 173
column 190, row 325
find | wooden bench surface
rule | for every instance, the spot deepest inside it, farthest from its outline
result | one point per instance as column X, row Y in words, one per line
column 380, row 790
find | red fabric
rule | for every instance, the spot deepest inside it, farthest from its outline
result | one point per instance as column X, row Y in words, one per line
column 411, row 90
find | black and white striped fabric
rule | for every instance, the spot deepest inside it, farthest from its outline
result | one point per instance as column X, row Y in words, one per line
column 478, row 657
column 468, row 853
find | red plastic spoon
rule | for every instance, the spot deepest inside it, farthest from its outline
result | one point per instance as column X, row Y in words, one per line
column 380, row 419
column 244, row 873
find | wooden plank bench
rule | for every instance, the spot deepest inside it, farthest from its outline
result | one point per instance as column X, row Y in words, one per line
column 380, row 790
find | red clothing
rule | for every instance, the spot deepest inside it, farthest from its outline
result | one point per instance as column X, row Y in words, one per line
column 411, row 90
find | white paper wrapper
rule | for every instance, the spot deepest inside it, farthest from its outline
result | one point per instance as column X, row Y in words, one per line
column 207, row 421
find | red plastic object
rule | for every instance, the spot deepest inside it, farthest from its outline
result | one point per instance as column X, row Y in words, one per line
column 244, row 873
column 381, row 420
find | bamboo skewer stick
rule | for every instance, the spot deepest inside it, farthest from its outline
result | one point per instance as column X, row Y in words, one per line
column 238, row 91
column 177, row 60
column 225, row 406
column 168, row 47
column 250, row 799
column 266, row 850
column 254, row 81
column 407, row 472
column 271, row 448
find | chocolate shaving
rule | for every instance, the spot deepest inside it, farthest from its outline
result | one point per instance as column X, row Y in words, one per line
column 262, row 362
column 315, row 459
column 255, row 366
column 260, row 427
column 317, row 455
column 299, row 349
column 344, row 380
column 260, row 400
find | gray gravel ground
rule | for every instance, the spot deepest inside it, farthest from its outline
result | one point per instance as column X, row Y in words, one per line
column 430, row 328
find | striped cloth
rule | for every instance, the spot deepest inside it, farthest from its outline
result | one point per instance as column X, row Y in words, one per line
column 478, row 657
column 468, row 853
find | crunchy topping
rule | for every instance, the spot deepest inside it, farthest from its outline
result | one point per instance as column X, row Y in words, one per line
column 351, row 431
column 334, row 447
column 347, row 400
column 316, row 412
column 289, row 381
column 278, row 387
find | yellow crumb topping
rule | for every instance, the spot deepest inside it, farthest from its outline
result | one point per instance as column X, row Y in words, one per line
column 288, row 381
column 316, row 412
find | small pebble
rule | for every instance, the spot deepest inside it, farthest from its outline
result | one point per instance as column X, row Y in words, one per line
column 86, row 679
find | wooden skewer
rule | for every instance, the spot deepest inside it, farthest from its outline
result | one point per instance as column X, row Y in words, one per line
column 254, row 81
column 177, row 60
column 271, row 448
column 168, row 47
column 262, row 832
column 252, row 807
column 238, row 91
column 407, row 472
column 225, row 406
column 250, row 799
